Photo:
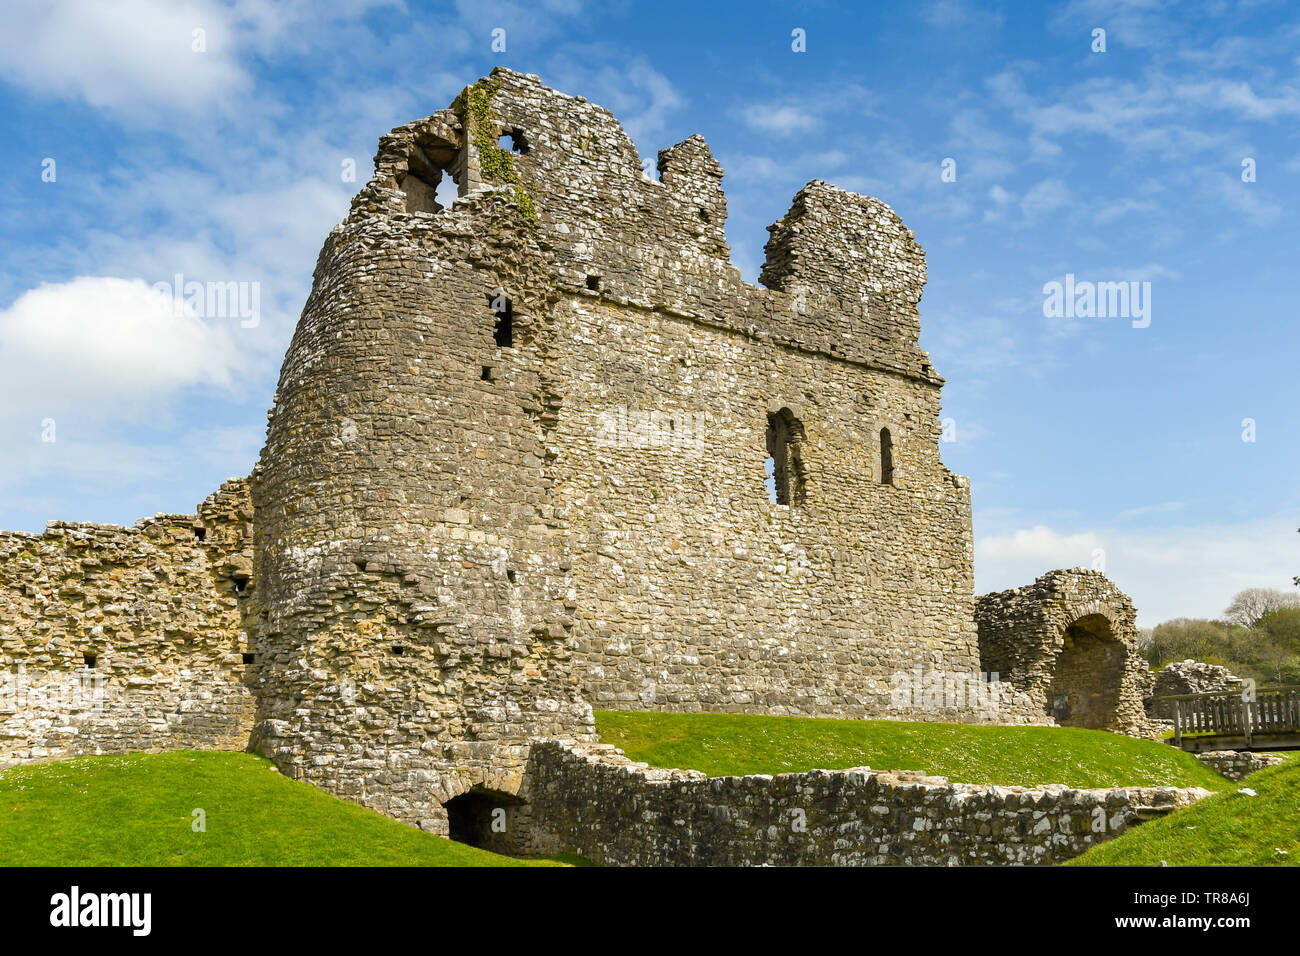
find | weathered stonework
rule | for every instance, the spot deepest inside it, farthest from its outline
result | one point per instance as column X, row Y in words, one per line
column 571, row 511
column 1237, row 764
column 1069, row 641
column 115, row 639
column 593, row 801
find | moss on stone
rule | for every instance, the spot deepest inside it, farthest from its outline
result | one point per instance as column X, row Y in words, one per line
column 496, row 164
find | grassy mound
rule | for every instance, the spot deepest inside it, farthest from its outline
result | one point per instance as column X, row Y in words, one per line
column 727, row 744
column 138, row 810
column 1229, row 828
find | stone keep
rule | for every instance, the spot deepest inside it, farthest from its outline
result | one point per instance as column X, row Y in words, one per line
column 518, row 460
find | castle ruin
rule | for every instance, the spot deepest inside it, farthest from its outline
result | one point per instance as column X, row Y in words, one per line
column 536, row 449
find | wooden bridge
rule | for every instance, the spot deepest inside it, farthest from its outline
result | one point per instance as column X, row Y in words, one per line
column 1231, row 721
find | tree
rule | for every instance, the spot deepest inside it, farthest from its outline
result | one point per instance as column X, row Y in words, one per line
column 1183, row 638
column 1253, row 603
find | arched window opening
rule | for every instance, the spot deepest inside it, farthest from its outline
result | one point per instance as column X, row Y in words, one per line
column 785, row 437
column 886, row 457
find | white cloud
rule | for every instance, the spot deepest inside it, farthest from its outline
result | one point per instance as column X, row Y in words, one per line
column 1187, row 571
column 108, row 347
column 1043, row 198
column 135, row 55
column 780, row 120
column 640, row 96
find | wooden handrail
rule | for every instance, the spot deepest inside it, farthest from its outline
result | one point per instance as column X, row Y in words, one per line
column 1272, row 710
column 1228, row 693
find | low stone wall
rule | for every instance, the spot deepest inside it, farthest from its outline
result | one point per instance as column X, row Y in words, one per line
column 120, row 639
column 1237, row 764
column 590, row 800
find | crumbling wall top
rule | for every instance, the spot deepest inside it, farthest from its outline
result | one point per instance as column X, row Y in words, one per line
column 843, row 276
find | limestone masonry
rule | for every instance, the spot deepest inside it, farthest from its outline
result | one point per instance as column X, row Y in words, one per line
column 537, row 448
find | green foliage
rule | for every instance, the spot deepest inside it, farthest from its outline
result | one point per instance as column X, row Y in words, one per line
column 138, row 810
column 1268, row 652
column 1230, row 828
column 737, row 744
column 496, row 164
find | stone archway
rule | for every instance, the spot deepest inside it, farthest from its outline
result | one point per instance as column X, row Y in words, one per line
column 1067, row 645
column 1088, row 674
column 484, row 818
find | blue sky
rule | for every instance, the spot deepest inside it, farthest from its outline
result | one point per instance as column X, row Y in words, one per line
column 1085, row 439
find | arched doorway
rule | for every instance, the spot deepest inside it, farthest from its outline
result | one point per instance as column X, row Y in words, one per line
column 484, row 818
column 1086, row 681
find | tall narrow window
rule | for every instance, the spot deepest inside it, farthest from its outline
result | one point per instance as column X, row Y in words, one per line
column 886, row 457
column 503, row 334
column 785, row 452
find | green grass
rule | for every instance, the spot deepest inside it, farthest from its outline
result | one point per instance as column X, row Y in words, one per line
column 137, row 810
column 1229, row 828
column 737, row 744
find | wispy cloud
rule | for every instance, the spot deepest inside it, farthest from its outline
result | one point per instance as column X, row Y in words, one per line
column 1180, row 571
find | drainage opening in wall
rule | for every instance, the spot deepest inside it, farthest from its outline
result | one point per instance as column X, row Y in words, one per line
column 481, row 817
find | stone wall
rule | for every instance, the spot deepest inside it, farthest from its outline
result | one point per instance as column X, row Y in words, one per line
column 1069, row 642
column 124, row 639
column 592, row 801
column 1237, row 764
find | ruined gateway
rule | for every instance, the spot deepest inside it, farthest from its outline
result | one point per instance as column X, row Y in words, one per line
column 517, row 468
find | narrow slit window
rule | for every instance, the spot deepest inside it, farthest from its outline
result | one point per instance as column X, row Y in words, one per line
column 886, row 457
column 785, row 435
column 504, row 333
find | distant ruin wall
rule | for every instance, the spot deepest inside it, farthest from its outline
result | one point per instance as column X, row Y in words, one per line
column 1189, row 677
column 127, row 639
column 592, row 801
